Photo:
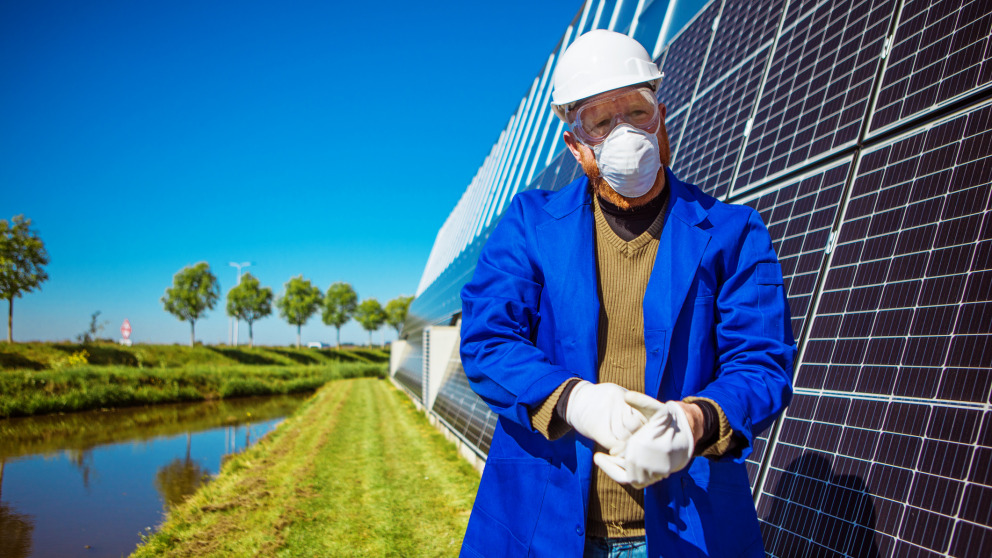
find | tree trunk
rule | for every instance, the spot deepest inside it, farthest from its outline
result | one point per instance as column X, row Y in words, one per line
column 370, row 338
column 339, row 336
column 298, row 336
column 251, row 336
column 10, row 319
column 192, row 333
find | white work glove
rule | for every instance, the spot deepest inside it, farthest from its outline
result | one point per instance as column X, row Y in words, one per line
column 599, row 412
column 661, row 447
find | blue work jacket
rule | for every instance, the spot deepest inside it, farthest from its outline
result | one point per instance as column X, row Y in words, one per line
column 716, row 325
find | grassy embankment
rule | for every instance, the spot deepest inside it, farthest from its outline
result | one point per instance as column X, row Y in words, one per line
column 41, row 378
column 356, row 471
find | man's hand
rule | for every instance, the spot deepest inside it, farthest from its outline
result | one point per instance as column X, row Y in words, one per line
column 599, row 412
column 664, row 445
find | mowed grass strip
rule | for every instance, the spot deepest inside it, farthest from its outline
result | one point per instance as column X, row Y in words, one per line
column 357, row 471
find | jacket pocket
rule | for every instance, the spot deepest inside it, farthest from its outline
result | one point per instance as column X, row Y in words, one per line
column 775, row 319
column 769, row 274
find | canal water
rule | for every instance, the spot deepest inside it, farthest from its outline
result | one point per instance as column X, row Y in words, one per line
column 90, row 484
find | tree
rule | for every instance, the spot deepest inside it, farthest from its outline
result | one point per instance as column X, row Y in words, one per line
column 299, row 303
column 371, row 315
column 396, row 310
column 194, row 290
column 340, row 303
column 95, row 328
column 22, row 257
column 249, row 301
column 180, row 478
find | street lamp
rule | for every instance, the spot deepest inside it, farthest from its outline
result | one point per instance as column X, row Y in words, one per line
column 235, row 340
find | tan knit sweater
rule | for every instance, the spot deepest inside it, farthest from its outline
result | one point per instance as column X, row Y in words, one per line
column 623, row 270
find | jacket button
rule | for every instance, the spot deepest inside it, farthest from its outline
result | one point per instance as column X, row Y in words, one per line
column 578, row 530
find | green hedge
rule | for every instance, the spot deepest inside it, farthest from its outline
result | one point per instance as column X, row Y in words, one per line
column 33, row 392
column 41, row 356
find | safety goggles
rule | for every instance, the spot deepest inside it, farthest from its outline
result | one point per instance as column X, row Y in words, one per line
column 594, row 120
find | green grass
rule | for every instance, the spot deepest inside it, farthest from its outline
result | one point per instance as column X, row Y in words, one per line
column 39, row 356
column 357, row 471
column 28, row 392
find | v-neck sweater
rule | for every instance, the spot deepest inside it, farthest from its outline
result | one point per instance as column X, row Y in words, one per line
column 623, row 268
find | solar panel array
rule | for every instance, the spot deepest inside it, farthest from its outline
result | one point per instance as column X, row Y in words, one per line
column 893, row 384
column 862, row 132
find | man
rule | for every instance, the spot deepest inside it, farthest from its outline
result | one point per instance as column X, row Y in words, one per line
column 630, row 321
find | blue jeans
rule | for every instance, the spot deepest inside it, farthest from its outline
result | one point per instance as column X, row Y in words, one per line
column 627, row 547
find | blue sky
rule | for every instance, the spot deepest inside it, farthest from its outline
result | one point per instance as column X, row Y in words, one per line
column 325, row 139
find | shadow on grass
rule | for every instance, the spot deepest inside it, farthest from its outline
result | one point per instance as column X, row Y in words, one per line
column 301, row 358
column 101, row 354
column 241, row 356
column 13, row 360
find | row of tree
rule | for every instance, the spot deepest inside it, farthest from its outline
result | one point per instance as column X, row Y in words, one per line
column 195, row 290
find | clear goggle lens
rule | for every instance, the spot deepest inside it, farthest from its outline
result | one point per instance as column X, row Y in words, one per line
column 596, row 119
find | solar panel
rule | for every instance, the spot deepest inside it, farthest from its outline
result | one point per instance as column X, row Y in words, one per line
column 743, row 29
column 708, row 135
column 684, row 58
column 544, row 178
column 411, row 371
column 900, row 329
column 462, row 409
column 568, row 170
column 674, row 124
column 799, row 215
column 715, row 127
column 682, row 66
column 818, row 87
column 941, row 52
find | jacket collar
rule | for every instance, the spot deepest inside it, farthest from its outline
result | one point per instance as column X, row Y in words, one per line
column 682, row 201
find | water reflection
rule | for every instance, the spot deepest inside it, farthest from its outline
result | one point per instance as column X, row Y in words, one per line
column 82, row 431
column 86, row 484
column 15, row 531
column 179, row 478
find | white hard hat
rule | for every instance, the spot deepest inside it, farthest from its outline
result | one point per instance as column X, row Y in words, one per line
column 597, row 62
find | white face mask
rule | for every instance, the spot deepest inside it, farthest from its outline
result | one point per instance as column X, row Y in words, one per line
column 629, row 160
